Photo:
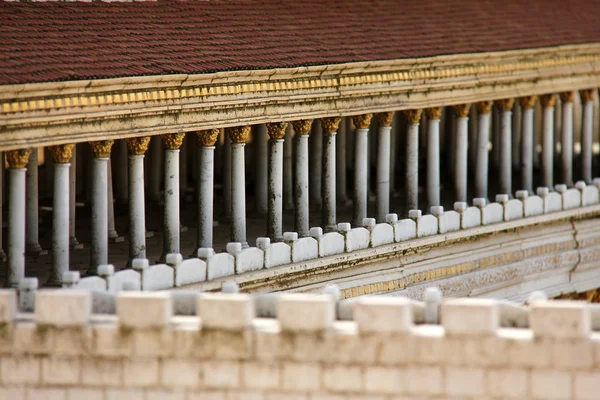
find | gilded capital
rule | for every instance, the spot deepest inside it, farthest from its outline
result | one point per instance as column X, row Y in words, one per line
column 138, row 145
column 587, row 95
column 385, row 118
column 102, row 148
column 239, row 134
column 276, row 130
column 173, row 141
column 330, row 124
column 362, row 121
column 18, row 158
column 302, row 127
column 527, row 102
column 505, row 104
column 461, row 110
column 567, row 97
column 62, row 153
column 484, row 107
column 548, row 100
column 434, row 112
column 413, row 116
column 208, row 137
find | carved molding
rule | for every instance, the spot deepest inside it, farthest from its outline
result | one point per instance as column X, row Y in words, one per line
column 239, row 134
column 102, row 148
column 208, row 137
column 461, row 110
column 413, row 116
column 505, row 104
column 362, row 121
column 173, row 141
column 548, row 100
column 62, row 153
column 434, row 112
column 385, row 119
column 18, row 158
column 302, row 127
column 138, row 145
column 276, row 130
column 330, row 125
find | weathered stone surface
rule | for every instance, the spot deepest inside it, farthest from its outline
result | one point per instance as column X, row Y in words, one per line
column 513, row 209
column 533, row 205
column 449, row 221
column 302, row 249
column 492, row 213
column 560, row 319
column 249, row 259
column 115, row 282
column 62, row 307
column 471, row 218
column 331, row 243
column 158, row 277
column 275, row 253
column 355, row 238
column 553, row 202
column 589, row 196
column 225, row 311
column 571, row 199
column 382, row 234
column 470, row 316
column 144, row 309
column 92, row 283
column 217, row 265
column 299, row 313
column 427, row 226
column 405, row 229
column 190, row 271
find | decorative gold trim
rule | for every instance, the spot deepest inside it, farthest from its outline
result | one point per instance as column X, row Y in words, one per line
column 62, row 153
column 102, row 148
column 567, row 97
column 239, row 134
column 587, row 95
column 548, row 100
column 18, row 158
column 505, row 104
column 413, row 116
column 208, row 137
column 461, row 110
column 330, row 125
column 362, row 121
column 302, row 127
column 276, row 130
column 385, row 119
column 484, row 107
column 138, row 145
column 434, row 112
column 173, row 141
column 527, row 102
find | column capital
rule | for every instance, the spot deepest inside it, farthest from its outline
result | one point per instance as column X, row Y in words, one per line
column 302, row 127
column 208, row 137
column 62, row 153
column 102, row 148
column 276, row 130
column 527, row 102
column 505, row 104
column 330, row 124
column 18, row 158
column 461, row 110
column 173, row 141
column 413, row 116
column 484, row 107
column 362, row 121
column 239, row 134
column 385, row 118
column 567, row 97
column 138, row 145
column 587, row 95
column 434, row 112
column 548, row 100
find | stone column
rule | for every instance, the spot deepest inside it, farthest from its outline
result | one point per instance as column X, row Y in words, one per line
column 206, row 169
column 275, row 185
column 17, row 163
column 61, row 155
column 433, row 155
column 341, row 170
column 361, row 191
column 527, row 103
column 73, row 242
column 548, row 147
column 171, row 238
column 383, row 164
column 239, row 137
column 412, row 159
column 155, row 158
column 301, row 222
column 460, row 158
column 32, row 213
column 316, row 163
column 330, row 126
column 288, row 169
column 566, row 152
column 137, row 206
column 262, row 170
column 505, row 143
column 484, row 109
column 99, row 234
column 587, row 136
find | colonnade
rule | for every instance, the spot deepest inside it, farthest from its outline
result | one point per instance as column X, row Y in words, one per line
column 299, row 167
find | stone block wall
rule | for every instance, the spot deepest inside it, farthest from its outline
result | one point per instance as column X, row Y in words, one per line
column 469, row 350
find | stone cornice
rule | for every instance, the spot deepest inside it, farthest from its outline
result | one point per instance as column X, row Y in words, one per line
column 67, row 112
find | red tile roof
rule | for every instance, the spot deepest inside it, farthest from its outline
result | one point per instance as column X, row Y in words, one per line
column 56, row 41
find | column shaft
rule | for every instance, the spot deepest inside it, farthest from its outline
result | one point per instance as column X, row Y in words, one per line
column 73, row 242
column 412, row 166
column 60, row 222
column 171, row 240
column 482, row 156
column 204, row 213
column 587, row 141
column 32, row 199
column 137, row 217
column 288, row 170
column 16, row 226
column 238, row 194
column 506, row 152
column 460, row 165
column 433, row 162
column 328, row 184
column 548, row 147
column 301, row 198
column 99, row 234
column 383, row 172
column 526, row 150
column 275, row 212
column 361, row 138
column 566, row 153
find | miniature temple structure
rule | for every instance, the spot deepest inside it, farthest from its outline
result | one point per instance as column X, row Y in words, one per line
column 383, row 146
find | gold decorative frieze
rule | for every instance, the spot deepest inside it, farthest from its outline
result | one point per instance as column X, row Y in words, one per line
column 239, row 134
column 385, row 119
column 101, row 148
column 18, row 158
column 62, row 153
column 362, row 121
column 173, row 141
column 138, row 145
column 208, row 137
column 330, row 125
column 302, row 127
column 276, row 130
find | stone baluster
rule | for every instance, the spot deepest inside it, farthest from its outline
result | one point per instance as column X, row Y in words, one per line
column 204, row 192
column 484, row 109
column 566, row 152
column 330, row 127
column 302, row 131
column 99, row 235
column 548, row 147
column 17, row 163
column 433, row 155
column 171, row 223
column 587, row 136
column 461, row 142
column 505, row 143
column 33, row 247
column 239, row 137
column 361, row 191
column 137, row 212
column 61, row 155
column 276, row 133
column 527, row 106
column 383, row 164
